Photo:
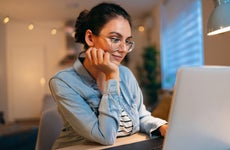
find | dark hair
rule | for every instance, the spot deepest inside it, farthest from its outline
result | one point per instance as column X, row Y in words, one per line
column 96, row 18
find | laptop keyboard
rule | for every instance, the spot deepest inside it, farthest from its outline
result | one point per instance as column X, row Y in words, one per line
column 152, row 144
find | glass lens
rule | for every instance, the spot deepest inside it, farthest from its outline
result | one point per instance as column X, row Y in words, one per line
column 131, row 46
column 115, row 46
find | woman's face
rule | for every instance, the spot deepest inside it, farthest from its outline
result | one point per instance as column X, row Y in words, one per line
column 117, row 29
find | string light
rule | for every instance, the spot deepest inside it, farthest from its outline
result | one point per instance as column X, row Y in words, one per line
column 31, row 26
column 141, row 28
column 73, row 34
column 42, row 81
column 54, row 31
column 6, row 20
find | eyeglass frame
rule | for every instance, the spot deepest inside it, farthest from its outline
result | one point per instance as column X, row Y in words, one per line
column 111, row 39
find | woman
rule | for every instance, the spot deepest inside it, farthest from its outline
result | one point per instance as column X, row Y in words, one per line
column 98, row 98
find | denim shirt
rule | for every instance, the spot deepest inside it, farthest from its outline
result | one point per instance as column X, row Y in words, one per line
column 91, row 115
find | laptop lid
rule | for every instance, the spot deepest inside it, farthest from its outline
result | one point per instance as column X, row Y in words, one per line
column 200, row 112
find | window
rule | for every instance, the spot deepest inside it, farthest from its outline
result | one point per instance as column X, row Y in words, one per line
column 181, row 38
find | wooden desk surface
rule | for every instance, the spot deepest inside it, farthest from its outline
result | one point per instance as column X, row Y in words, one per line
column 120, row 141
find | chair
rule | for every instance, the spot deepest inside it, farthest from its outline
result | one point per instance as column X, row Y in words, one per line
column 49, row 129
column 163, row 108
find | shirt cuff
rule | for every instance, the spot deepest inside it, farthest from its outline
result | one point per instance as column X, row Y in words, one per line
column 155, row 132
column 111, row 86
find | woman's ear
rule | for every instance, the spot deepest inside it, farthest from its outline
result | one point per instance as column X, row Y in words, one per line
column 89, row 38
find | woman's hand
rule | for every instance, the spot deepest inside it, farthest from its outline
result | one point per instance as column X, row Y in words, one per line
column 163, row 129
column 100, row 60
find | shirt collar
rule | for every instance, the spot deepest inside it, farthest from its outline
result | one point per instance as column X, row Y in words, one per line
column 83, row 73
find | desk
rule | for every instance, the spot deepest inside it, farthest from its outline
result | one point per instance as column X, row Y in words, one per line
column 120, row 141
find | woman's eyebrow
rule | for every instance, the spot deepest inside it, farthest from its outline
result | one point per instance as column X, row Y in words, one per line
column 120, row 35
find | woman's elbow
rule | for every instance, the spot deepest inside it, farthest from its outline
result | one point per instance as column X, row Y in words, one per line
column 108, row 141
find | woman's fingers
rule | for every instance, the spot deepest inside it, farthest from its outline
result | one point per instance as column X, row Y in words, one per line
column 101, row 60
column 107, row 57
column 94, row 56
column 100, row 56
column 88, row 55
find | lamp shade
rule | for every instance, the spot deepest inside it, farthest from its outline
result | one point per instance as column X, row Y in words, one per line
column 219, row 21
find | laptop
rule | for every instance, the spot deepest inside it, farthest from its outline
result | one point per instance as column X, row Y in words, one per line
column 200, row 111
column 199, row 116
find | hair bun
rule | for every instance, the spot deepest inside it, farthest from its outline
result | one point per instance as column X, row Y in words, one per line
column 80, row 26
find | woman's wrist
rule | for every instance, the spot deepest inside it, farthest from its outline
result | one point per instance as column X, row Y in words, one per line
column 112, row 76
column 116, row 77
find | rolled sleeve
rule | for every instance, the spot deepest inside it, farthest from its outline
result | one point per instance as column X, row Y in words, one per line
column 110, row 102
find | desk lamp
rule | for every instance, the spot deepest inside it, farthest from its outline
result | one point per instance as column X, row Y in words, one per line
column 219, row 20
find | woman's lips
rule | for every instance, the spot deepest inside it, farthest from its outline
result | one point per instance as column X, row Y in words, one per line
column 117, row 57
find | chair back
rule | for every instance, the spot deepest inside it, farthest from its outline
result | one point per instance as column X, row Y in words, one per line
column 49, row 129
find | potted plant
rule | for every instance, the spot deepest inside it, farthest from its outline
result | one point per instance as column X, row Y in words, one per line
column 148, row 74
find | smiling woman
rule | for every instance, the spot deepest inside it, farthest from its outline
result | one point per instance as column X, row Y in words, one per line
column 37, row 45
column 98, row 98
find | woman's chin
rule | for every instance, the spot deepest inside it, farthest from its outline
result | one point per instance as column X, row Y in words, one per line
column 116, row 62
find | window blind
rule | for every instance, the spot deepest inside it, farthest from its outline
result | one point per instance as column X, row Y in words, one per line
column 181, row 38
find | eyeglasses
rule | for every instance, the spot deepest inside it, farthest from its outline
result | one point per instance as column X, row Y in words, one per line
column 116, row 43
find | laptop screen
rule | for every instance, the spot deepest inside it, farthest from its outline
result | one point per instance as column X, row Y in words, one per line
column 200, row 112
